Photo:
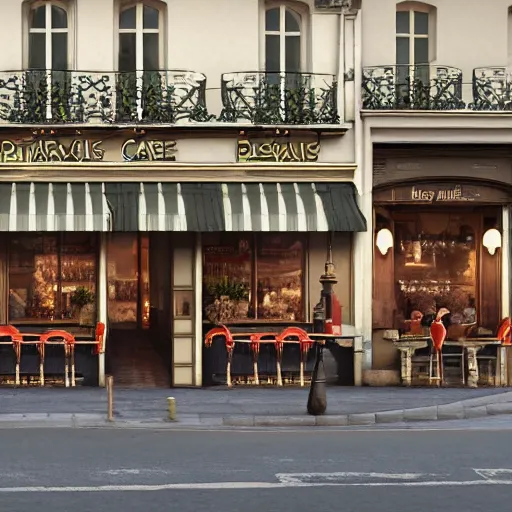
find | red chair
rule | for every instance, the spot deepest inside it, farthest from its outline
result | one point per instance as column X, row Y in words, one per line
column 67, row 341
column 100, row 338
column 222, row 330
column 305, row 344
column 16, row 339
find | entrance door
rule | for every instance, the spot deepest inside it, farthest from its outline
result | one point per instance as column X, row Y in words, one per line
column 136, row 350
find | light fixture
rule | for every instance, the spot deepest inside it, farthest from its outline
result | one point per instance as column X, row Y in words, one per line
column 384, row 241
column 492, row 240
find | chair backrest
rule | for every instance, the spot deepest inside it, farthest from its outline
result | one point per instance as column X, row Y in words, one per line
column 503, row 333
column 67, row 337
column 100, row 337
column 9, row 331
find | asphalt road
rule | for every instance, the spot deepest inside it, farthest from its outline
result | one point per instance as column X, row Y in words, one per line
column 231, row 471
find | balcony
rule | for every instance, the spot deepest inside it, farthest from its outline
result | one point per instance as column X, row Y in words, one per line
column 255, row 97
column 55, row 97
column 39, row 97
column 412, row 88
column 492, row 89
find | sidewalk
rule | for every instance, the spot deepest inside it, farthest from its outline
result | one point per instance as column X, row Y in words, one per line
column 245, row 407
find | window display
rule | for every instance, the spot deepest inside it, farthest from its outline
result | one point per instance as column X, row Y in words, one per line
column 45, row 274
column 435, row 266
column 253, row 277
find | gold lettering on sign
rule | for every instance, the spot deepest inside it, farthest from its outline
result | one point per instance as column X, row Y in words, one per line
column 274, row 151
column 149, row 150
column 80, row 150
column 452, row 194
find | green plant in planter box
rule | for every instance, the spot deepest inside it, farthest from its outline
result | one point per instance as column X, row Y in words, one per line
column 82, row 297
column 232, row 290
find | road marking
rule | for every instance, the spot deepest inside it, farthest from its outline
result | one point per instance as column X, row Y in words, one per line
column 501, row 474
column 340, row 477
column 240, row 485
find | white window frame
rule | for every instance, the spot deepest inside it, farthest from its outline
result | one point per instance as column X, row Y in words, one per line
column 412, row 36
column 68, row 6
column 139, row 31
column 297, row 8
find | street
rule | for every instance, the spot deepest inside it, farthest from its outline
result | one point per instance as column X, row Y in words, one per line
column 132, row 470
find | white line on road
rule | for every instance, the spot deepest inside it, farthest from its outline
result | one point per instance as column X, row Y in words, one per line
column 303, row 478
column 241, row 485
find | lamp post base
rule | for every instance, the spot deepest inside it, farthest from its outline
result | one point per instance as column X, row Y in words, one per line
column 317, row 399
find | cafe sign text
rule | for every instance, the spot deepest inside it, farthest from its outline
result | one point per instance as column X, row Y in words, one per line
column 277, row 151
column 457, row 193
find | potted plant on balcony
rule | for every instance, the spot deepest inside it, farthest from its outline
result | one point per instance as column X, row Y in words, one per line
column 82, row 302
column 230, row 301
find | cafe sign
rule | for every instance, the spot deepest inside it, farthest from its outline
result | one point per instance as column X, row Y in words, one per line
column 438, row 195
column 277, row 150
column 85, row 150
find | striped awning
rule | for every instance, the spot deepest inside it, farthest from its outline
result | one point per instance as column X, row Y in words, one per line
column 204, row 207
column 53, row 207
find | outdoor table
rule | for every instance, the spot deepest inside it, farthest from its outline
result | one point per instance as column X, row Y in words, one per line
column 472, row 346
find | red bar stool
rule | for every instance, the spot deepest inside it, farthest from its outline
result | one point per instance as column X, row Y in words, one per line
column 16, row 339
column 305, row 343
column 67, row 341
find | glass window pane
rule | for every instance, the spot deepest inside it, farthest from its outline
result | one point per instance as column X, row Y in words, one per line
column 402, row 50
column 421, row 23
column 292, row 21
column 59, row 17
column 151, row 57
column 280, row 276
column 33, row 275
column 127, row 52
column 402, row 22
column 272, row 19
column 293, row 54
column 272, row 54
column 37, row 51
column 150, row 17
column 421, row 50
column 128, row 18
column 60, row 51
column 122, row 281
column 227, row 277
column 38, row 17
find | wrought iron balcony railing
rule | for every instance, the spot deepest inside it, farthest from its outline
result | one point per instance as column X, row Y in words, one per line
column 421, row 87
column 492, row 89
column 256, row 97
column 51, row 97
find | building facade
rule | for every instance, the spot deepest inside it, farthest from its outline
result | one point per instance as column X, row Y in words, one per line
column 166, row 199
column 436, row 167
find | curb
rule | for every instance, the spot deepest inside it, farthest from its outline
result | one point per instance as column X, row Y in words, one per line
column 481, row 407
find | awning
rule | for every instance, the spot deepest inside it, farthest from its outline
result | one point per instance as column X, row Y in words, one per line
column 205, row 207
column 53, row 207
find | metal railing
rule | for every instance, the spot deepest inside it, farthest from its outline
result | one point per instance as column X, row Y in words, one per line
column 257, row 97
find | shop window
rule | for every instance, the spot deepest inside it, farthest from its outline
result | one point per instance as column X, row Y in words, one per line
column 436, row 266
column 253, row 277
column 48, row 27
column 53, row 277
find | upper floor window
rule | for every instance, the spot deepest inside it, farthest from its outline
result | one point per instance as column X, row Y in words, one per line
column 412, row 37
column 283, row 39
column 140, row 32
column 48, row 36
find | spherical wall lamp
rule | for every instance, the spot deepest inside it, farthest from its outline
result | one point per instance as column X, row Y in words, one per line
column 492, row 240
column 384, row 241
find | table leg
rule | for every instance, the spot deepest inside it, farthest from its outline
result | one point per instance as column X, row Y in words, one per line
column 406, row 366
column 73, row 371
column 66, row 367
column 501, row 370
column 17, row 352
column 228, row 368
column 472, row 367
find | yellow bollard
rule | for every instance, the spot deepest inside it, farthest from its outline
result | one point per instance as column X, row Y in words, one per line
column 172, row 408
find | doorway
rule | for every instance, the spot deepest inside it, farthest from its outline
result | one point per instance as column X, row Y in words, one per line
column 138, row 352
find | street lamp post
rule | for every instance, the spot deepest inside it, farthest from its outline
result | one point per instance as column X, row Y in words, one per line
column 317, row 399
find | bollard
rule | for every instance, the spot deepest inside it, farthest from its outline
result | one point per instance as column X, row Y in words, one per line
column 172, row 408
column 110, row 398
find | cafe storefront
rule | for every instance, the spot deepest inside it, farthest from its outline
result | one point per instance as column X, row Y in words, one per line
column 100, row 226
column 441, row 226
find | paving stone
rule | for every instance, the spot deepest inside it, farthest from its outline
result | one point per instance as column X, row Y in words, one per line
column 503, row 408
column 475, row 412
column 453, row 411
column 362, row 419
column 421, row 414
column 332, row 421
column 389, row 417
